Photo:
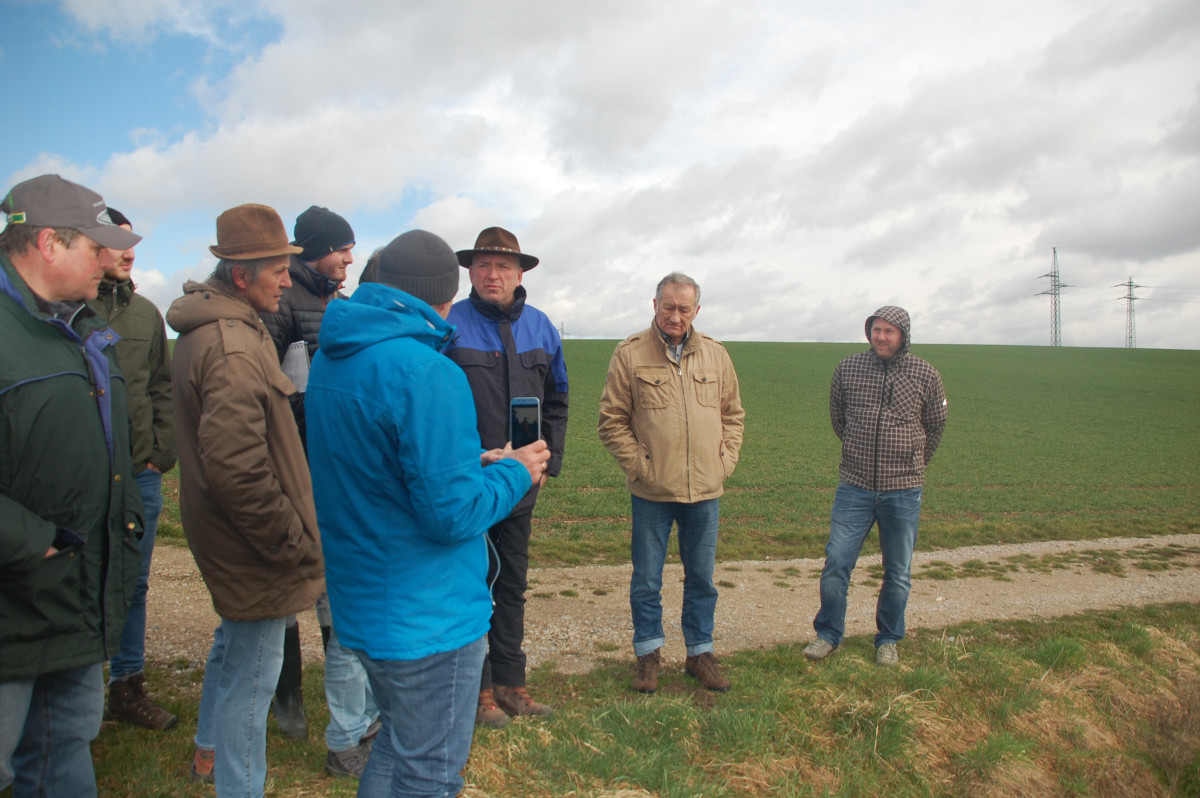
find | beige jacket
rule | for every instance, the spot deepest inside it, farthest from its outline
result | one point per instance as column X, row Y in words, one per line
column 245, row 494
column 675, row 429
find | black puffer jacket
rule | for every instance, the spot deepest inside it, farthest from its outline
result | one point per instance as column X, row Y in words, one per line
column 301, row 309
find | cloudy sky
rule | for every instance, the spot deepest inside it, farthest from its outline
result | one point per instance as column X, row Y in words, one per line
column 806, row 162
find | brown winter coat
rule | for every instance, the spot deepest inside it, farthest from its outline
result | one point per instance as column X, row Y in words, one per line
column 675, row 430
column 246, row 497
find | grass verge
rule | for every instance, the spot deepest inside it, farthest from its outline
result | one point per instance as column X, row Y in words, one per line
column 1101, row 704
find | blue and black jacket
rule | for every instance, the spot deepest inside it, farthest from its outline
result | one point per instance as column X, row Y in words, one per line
column 511, row 352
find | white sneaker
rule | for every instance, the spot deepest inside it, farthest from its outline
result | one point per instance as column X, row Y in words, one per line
column 818, row 649
column 887, row 654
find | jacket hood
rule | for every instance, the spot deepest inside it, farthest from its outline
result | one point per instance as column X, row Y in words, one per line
column 377, row 313
column 203, row 303
column 896, row 315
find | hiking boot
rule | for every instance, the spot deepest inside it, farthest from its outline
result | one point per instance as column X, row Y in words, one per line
column 706, row 669
column 372, row 731
column 349, row 762
column 202, row 766
column 887, row 654
column 818, row 649
column 127, row 701
column 516, row 701
column 487, row 713
column 645, row 675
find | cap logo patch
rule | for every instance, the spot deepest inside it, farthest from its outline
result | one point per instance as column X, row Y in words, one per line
column 17, row 218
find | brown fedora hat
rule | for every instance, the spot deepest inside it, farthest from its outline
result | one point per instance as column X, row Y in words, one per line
column 249, row 232
column 497, row 239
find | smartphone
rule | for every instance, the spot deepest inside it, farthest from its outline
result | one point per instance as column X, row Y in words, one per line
column 524, row 420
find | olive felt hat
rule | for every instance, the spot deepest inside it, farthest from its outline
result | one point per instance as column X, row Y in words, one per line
column 496, row 239
column 249, row 232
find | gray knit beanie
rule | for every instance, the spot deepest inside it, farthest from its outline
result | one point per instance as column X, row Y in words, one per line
column 421, row 264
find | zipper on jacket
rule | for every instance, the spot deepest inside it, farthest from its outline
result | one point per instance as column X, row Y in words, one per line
column 878, row 426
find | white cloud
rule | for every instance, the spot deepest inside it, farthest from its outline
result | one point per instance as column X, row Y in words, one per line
column 806, row 162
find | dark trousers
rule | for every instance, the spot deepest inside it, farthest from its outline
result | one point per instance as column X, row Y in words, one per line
column 505, row 661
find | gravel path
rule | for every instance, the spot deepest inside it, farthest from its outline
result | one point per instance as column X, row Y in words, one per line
column 576, row 617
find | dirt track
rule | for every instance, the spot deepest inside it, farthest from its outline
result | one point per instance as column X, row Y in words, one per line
column 578, row 616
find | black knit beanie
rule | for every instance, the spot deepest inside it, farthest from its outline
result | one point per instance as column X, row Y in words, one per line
column 421, row 264
column 320, row 231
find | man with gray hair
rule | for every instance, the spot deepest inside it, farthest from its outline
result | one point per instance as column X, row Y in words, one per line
column 671, row 414
column 245, row 495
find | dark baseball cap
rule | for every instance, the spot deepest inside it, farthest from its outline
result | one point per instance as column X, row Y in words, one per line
column 50, row 201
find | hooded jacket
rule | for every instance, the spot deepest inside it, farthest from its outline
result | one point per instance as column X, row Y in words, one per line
column 674, row 428
column 889, row 414
column 509, row 352
column 403, row 500
column 146, row 363
column 66, row 481
column 245, row 496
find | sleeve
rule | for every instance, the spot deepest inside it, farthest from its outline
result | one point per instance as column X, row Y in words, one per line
column 554, row 408
column 933, row 415
column 454, row 498
column 236, row 458
column 159, row 388
column 616, row 414
column 733, row 415
column 837, row 404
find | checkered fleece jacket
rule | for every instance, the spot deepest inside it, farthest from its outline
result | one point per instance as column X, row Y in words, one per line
column 889, row 415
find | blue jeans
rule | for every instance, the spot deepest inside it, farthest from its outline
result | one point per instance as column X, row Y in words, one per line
column 427, row 707
column 697, row 525
column 47, row 725
column 854, row 512
column 239, row 682
column 131, row 659
column 351, row 704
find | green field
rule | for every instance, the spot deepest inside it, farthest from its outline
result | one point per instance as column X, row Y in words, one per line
column 1042, row 444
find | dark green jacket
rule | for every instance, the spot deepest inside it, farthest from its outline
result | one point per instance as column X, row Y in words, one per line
column 146, row 363
column 65, row 475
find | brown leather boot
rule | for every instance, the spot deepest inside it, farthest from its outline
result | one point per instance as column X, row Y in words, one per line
column 645, row 676
column 127, row 701
column 487, row 713
column 516, row 701
column 706, row 669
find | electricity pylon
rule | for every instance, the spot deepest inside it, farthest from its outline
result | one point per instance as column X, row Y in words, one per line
column 1055, row 313
column 1130, row 333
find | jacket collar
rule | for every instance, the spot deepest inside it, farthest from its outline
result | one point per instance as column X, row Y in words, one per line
column 310, row 279
column 494, row 312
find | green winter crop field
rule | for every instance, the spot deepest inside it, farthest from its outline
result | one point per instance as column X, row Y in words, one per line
column 1042, row 444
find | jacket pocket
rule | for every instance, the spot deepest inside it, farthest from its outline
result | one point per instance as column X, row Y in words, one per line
column 706, row 385
column 654, row 388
